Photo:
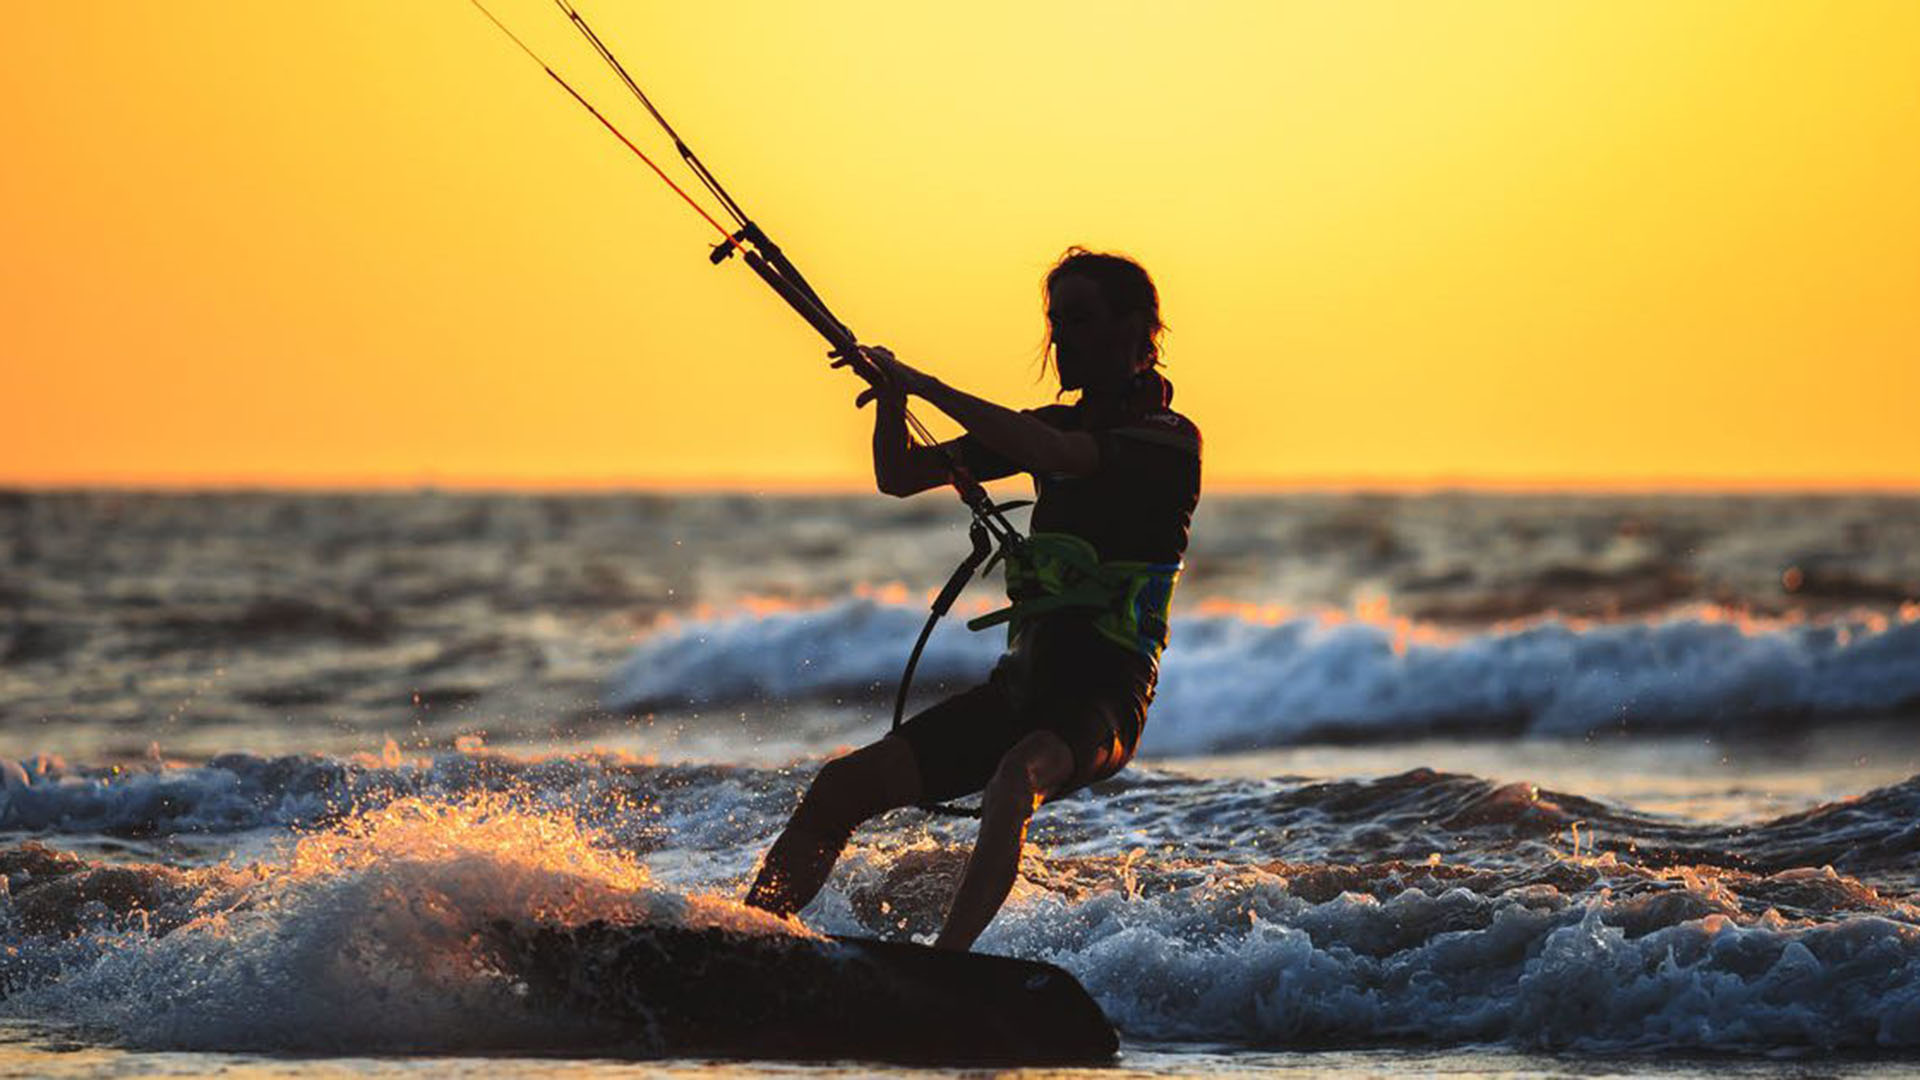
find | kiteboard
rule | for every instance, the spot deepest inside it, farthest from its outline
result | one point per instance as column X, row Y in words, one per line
column 669, row 991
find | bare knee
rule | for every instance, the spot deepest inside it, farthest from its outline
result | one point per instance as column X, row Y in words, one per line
column 836, row 779
column 1028, row 773
column 833, row 802
column 1014, row 789
column 850, row 789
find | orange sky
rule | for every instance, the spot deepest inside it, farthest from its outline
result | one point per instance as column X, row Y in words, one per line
column 361, row 241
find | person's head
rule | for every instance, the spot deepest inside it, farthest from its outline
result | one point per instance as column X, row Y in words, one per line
column 1103, row 319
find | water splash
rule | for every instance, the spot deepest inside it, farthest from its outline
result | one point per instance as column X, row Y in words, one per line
column 369, row 935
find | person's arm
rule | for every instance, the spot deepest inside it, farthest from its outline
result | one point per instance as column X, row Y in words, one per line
column 1029, row 442
column 900, row 466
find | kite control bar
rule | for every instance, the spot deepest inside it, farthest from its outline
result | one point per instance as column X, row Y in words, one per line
column 767, row 261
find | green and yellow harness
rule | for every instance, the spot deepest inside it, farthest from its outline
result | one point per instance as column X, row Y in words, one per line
column 1053, row 572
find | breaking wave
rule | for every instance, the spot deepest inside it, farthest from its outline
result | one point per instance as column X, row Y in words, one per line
column 371, row 935
column 1427, row 906
column 1244, row 678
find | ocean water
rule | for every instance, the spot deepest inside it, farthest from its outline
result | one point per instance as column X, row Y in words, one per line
column 1449, row 783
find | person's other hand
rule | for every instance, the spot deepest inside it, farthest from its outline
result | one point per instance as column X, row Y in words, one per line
column 897, row 377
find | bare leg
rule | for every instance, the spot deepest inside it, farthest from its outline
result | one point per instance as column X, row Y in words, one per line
column 1030, row 771
column 847, row 791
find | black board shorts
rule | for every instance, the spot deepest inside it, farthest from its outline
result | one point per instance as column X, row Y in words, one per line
column 1060, row 676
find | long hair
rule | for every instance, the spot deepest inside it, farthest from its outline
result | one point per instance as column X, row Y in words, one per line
column 1123, row 283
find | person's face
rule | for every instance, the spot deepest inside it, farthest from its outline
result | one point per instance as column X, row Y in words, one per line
column 1091, row 347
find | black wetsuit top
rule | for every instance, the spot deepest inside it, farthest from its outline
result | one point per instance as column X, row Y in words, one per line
column 1138, row 502
column 1060, row 674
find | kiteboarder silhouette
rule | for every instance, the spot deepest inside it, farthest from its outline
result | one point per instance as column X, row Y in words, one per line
column 1117, row 477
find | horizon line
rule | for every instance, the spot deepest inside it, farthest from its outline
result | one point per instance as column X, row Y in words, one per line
column 733, row 484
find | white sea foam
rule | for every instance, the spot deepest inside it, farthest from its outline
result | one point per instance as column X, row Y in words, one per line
column 1240, row 959
column 855, row 647
column 1170, row 900
column 367, row 937
column 1233, row 681
column 382, row 957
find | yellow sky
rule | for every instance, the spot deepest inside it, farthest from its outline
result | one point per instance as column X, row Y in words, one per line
column 368, row 242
